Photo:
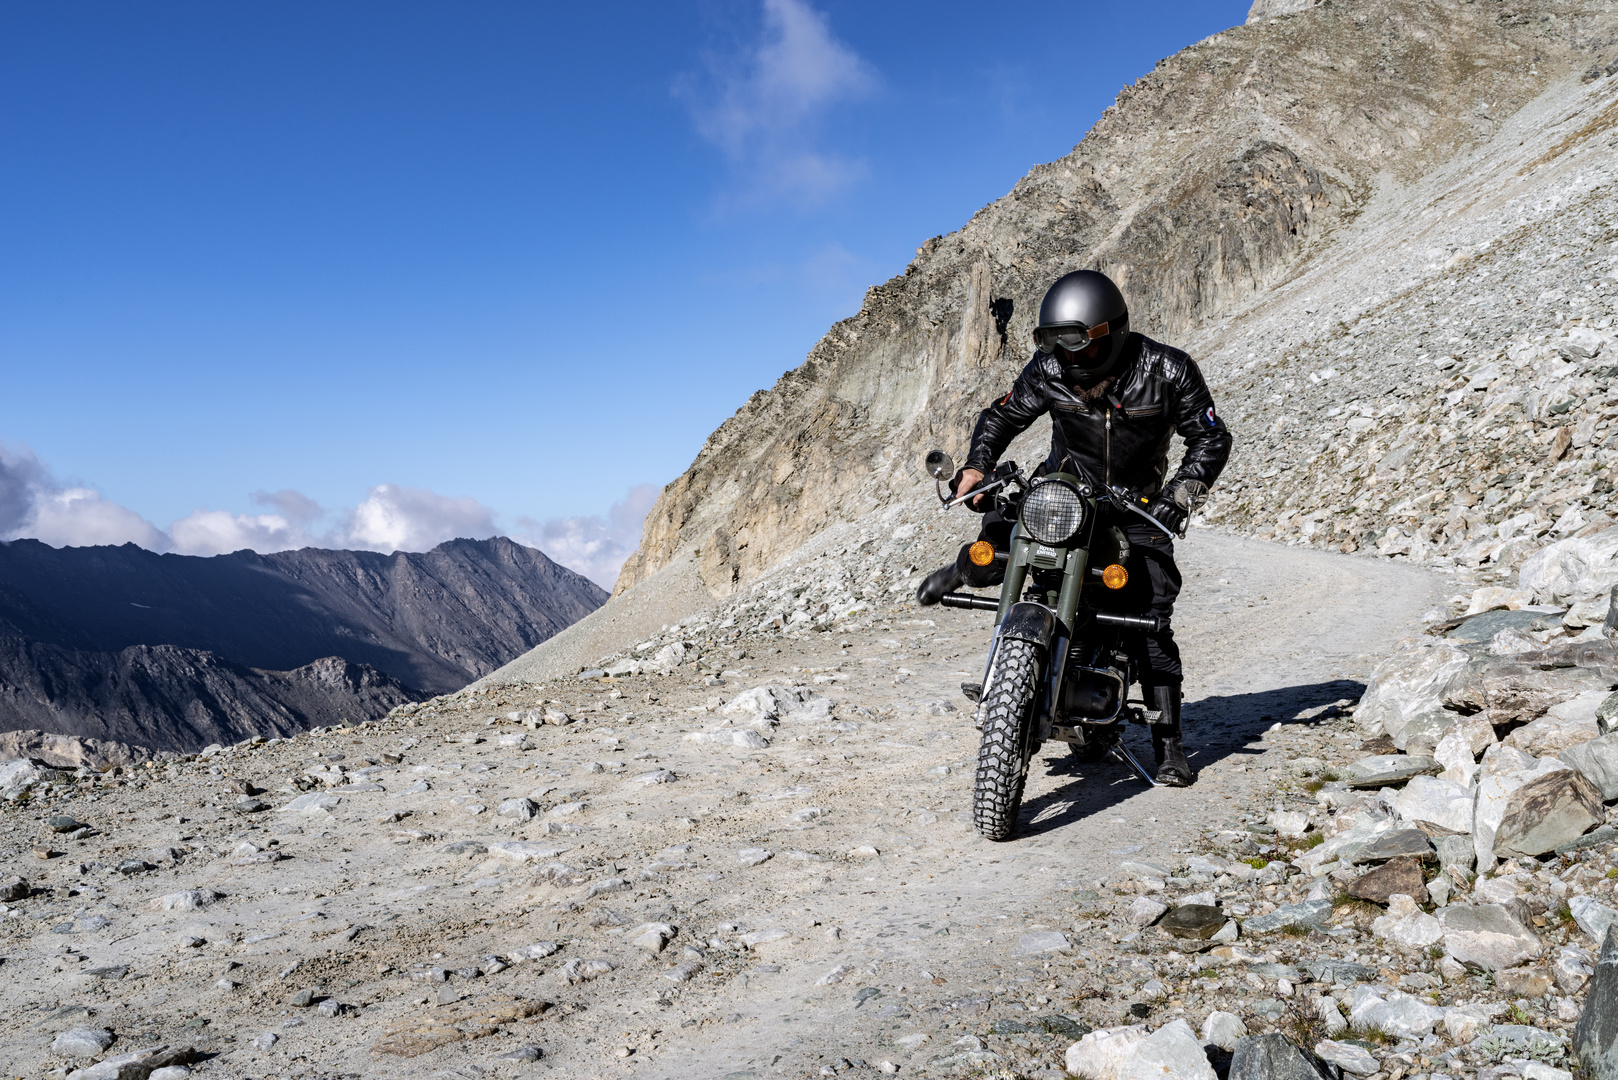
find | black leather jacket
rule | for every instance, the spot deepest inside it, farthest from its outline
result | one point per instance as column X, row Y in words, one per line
column 1122, row 438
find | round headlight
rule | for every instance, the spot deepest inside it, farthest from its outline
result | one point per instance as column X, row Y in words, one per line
column 1052, row 512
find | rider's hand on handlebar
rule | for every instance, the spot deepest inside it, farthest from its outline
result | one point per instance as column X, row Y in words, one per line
column 970, row 478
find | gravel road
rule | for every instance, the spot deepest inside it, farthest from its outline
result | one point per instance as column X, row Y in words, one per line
column 877, row 928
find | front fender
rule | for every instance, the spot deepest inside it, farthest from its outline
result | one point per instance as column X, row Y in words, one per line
column 1027, row 621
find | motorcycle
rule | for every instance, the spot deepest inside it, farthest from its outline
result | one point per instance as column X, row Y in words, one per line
column 1057, row 668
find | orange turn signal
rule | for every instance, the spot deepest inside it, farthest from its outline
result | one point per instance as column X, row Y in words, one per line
column 1115, row 577
column 981, row 553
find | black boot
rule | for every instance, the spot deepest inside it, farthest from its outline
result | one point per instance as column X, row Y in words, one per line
column 1172, row 768
column 944, row 579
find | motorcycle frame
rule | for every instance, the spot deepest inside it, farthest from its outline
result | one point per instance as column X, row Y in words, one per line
column 1025, row 555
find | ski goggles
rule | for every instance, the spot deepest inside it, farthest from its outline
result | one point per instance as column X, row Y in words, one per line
column 1074, row 337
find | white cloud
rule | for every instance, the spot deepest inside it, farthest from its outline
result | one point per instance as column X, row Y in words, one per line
column 213, row 532
column 593, row 546
column 762, row 106
column 80, row 517
column 394, row 518
column 390, row 518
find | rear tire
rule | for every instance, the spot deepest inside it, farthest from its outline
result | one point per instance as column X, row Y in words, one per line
column 1007, row 741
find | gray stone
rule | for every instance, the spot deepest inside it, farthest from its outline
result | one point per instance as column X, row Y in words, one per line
column 1595, row 1039
column 1595, row 838
column 464, row 847
column 1200, row 921
column 1488, row 936
column 1399, row 1014
column 1144, row 911
column 1385, row 770
column 651, row 937
column 189, row 900
column 139, row 1065
column 1547, row 811
column 13, row 889
column 522, row 1053
column 580, row 970
column 1481, row 628
column 82, row 1042
column 518, row 809
column 61, row 823
column 1592, row 916
column 754, row 856
column 1456, row 855
column 1350, row 1057
column 1143, row 870
column 302, row 999
column 1275, row 1057
column 316, row 802
column 1607, row 714
column 1436, row 801
column 1311, row 914
column 1400, row 843
column 266, row 1040
column 1572, row 968
column 1041, row 941
column 1597, row 761
column 1334, row 971
column 170, row 1072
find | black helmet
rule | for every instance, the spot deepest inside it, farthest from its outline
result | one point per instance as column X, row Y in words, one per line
column 1081, row 309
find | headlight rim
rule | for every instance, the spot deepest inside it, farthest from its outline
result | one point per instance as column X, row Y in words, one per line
column 1081, row 515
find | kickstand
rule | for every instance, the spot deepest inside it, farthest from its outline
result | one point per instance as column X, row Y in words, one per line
column 1123, row 755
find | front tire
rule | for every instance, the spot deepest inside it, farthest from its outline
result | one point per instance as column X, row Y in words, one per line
column 1007, row 746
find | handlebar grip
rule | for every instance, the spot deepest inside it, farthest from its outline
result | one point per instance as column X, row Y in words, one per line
column 1132, row 622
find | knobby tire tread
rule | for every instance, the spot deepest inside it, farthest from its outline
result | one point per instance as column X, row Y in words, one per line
column 1004, row 750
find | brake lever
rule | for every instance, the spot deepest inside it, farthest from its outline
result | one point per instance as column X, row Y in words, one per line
column 1123, row 498
column 975, row 492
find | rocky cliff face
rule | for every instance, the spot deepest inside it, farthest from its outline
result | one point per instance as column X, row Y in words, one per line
column 1258, row 196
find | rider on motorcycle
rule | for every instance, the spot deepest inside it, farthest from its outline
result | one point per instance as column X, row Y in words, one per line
column 1115, row 399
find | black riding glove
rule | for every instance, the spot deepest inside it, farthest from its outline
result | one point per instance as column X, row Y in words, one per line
column 1171, row 515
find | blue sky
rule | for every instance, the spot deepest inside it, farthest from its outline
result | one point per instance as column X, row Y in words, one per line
column 380, row 273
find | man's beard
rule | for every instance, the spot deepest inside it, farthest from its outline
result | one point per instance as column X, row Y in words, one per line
column 1091, row 393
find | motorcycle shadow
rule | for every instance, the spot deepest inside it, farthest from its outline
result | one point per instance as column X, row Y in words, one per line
column 1217, row 727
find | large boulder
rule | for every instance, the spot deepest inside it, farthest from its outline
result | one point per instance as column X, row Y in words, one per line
column 1436, row 801
column 1595, row 1039
column 1517, row 690
column 1564, row 724
column 1597, row 761
column 1406, row 684
column 1578, row 568
column 1275, row 1057
column 1505, row 769
column 1396, row 876
column 1489, row 936
column 1547, row 811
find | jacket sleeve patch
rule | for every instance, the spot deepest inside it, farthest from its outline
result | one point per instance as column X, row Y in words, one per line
column 1209, row 418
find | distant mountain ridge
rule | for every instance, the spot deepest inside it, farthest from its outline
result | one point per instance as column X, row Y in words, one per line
column 434, row 620
column 175, row 651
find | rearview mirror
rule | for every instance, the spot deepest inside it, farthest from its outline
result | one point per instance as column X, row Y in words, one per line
column 940, row 465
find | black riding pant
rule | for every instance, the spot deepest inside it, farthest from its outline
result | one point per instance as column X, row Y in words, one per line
column 1154, row 584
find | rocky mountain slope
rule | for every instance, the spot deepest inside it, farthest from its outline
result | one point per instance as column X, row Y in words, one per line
column 175, row 652
column 1267, row 198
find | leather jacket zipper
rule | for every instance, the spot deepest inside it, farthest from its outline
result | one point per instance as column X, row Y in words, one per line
column 1107, row 454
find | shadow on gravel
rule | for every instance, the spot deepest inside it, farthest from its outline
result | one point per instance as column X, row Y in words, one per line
column 1216, row 728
